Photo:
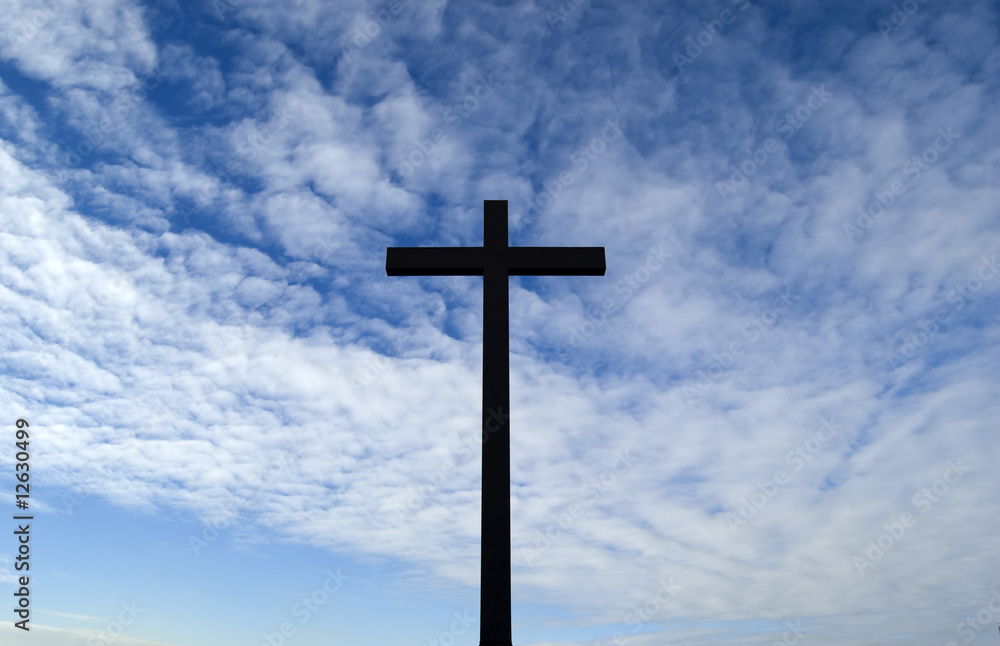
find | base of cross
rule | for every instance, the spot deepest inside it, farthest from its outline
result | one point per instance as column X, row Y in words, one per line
column 495, row 644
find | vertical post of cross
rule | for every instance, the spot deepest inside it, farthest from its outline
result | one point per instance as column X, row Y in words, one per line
column 495, row 619
column 495, row 262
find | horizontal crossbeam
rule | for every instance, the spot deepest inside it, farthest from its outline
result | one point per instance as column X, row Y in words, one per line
column 521, row 261
column 434, row 261
column 555, row 261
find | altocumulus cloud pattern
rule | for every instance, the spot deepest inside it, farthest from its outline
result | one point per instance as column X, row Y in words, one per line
column 773, row 419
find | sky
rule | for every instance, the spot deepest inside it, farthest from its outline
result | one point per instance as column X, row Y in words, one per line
column 772, row 421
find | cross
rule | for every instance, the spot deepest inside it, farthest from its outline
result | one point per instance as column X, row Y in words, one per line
column 495, row 261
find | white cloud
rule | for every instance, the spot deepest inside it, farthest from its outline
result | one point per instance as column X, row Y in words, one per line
column 98, row 44
column 189, row 360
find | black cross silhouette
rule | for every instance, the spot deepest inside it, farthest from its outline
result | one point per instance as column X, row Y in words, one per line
column 495, row 261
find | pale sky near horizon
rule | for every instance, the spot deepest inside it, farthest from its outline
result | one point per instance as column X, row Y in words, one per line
column 772, row 421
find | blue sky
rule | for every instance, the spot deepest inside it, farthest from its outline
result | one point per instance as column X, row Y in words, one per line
column 772, row 421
